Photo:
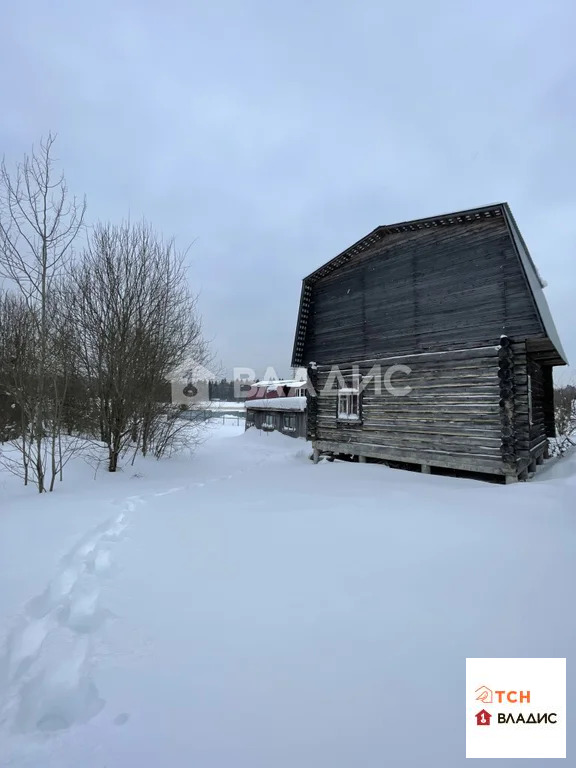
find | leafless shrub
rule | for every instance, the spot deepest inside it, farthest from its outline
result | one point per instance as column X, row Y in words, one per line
column 170, row 433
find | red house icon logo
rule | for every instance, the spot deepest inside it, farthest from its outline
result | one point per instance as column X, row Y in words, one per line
column 483, row 717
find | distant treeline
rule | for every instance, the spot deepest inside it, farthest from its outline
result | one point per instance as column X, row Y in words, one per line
column 227, row 389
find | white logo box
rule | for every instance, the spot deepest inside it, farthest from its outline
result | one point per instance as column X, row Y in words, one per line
column 544, row 679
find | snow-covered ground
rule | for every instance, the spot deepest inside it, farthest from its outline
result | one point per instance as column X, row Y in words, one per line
column 247, row 608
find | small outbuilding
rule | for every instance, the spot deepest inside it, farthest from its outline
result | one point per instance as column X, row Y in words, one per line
column 283, row 414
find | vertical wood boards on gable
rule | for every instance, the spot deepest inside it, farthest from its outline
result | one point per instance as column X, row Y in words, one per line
column 428, row 290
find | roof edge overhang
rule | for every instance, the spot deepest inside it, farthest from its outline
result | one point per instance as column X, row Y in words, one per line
column 551, row 352
column 431, row 222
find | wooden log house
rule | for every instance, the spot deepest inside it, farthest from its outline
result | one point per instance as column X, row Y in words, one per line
column 456, row 305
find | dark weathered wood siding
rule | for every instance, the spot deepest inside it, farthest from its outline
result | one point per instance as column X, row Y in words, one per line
column 279, row 420
column 427, row 290
column 530, row 423
column 450, row 418
column 548, row 406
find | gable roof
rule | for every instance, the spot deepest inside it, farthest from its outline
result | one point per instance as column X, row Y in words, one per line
column 496, row 210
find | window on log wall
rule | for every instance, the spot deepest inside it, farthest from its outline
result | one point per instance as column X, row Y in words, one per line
column 349, row 401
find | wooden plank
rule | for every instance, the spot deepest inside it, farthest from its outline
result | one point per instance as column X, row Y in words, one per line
column 467, row 354
column 433, row 458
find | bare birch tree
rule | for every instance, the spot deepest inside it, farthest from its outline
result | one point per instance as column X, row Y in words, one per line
column 39, row 223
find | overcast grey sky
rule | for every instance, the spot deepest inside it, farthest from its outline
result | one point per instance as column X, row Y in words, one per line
column 273, row 135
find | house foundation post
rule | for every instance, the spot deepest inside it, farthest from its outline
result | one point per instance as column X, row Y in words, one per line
column 426, row 469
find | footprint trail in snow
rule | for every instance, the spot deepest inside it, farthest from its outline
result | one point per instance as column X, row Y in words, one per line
column 45, row 666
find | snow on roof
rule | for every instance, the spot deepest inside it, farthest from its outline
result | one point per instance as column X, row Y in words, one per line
column 278, row 404
column 292, row 383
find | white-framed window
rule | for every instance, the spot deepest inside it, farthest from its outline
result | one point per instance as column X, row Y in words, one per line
column 349, row 406
column 530, row 400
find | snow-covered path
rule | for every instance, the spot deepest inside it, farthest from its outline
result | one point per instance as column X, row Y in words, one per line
column 52, row 640
column 252, row 609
